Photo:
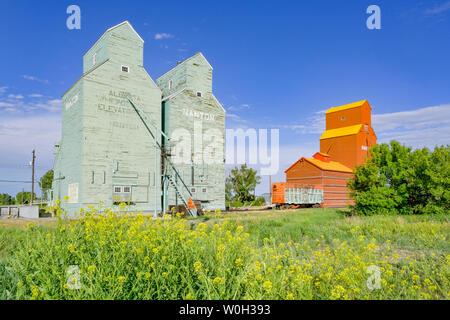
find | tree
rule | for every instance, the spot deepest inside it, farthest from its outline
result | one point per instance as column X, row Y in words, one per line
column 6, row 199
column 241, row 183
column 45, row 183
column 398, row 180
column 24, row 197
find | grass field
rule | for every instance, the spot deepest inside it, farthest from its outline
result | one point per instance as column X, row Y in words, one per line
column 293, row 254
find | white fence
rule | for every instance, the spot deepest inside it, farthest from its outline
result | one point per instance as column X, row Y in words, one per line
column 19, row 211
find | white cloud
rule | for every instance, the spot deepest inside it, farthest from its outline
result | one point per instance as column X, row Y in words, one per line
column 15, row 96
column 235, row 117
column 6, row 104
column 413, row 119
column 35, row 95
column 439, row 9
column 21, row 134
column 19, row 105
column 160, row 36
column 418, row 128
column 240, row 107
column 32, row 78
column 312, row 125
column 425, row 127
column 54, row 105
column 3, row 90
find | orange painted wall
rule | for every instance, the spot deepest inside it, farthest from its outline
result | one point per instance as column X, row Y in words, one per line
column 365, row 139
column 353, row 116
column 341, row 149
column 304, row 173
column 334, row 183
column 344, row 149
column 349, row 150
column 278, row 192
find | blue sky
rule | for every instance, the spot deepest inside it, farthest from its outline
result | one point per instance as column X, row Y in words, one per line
column 277, row 64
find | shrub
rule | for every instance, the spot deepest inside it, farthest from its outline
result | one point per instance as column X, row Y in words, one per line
column 398, row 180
column 235, row 204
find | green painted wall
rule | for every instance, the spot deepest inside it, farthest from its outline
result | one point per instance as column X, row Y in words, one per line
column 185, row 110
column 104, row 143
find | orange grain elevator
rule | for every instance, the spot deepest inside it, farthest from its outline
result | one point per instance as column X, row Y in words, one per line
column 346, row 142
column 349, row 133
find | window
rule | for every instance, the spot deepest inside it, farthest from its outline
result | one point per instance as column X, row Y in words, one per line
column 94, row 59
column 170, row 84
column 364, row 148
column 126, row 189
column 342, row 118
column 204, row 190
column 193, row 190
column 199, row 94
column 117, row 189
column 125, row 69
column 366, row 127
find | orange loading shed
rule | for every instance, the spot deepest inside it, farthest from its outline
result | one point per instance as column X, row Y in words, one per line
column 345, row 143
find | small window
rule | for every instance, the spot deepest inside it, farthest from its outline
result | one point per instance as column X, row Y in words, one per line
column 366, row 127
column 199, row 94
column 170, row 84
column 117, row 189
column 126, row 189
column 342, row 118
column 125, row 69
column 193, row 190
column 364, row 148
column 204, row 190
column 94, row 59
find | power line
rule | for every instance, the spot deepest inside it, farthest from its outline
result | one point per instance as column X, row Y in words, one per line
column 18, row 181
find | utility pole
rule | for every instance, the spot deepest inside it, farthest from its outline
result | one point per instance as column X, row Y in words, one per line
column 270, row 187
column 32, row 177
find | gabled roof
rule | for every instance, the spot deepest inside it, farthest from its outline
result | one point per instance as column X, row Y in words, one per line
column 340, row 132
column 195, row 55
column 85, row 74
column 328, row 166
column 112, row 28
column 173, row 95
column 346, row 106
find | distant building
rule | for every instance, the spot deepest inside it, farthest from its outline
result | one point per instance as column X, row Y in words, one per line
column 107, row 155
column 344, row 144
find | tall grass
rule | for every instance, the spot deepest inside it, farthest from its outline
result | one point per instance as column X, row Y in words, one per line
column 316, row 254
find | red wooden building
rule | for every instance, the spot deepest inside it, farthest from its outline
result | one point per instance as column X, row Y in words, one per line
column 345, row 143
